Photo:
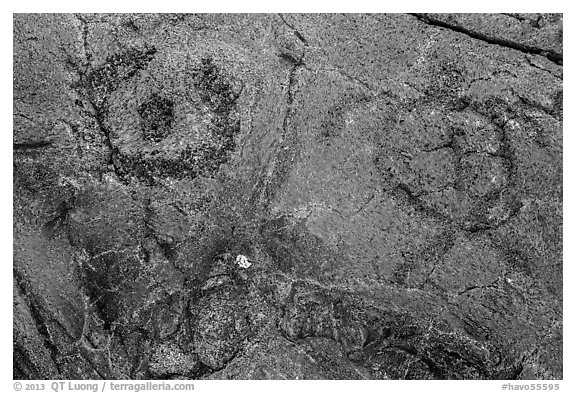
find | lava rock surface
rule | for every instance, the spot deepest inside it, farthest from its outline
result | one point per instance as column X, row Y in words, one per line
column 395, row 182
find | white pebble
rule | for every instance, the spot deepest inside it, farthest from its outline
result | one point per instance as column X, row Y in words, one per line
column 242, row 261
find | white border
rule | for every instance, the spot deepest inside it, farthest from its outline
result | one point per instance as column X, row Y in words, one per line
column 6, row 24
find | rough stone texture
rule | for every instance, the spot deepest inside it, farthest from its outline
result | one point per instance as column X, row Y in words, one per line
column 394, row 180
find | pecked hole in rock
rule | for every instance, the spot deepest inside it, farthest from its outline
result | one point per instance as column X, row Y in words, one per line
column 215, row 97
column 157, row 115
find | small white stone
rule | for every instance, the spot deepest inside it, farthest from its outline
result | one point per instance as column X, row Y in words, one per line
column 242, row 261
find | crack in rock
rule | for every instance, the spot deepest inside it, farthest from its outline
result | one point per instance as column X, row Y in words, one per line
column 551, row 55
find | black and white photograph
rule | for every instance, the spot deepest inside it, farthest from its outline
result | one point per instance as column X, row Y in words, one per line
column 287, row 196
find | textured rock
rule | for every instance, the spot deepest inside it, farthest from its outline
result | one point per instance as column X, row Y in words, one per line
column 394, row 181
